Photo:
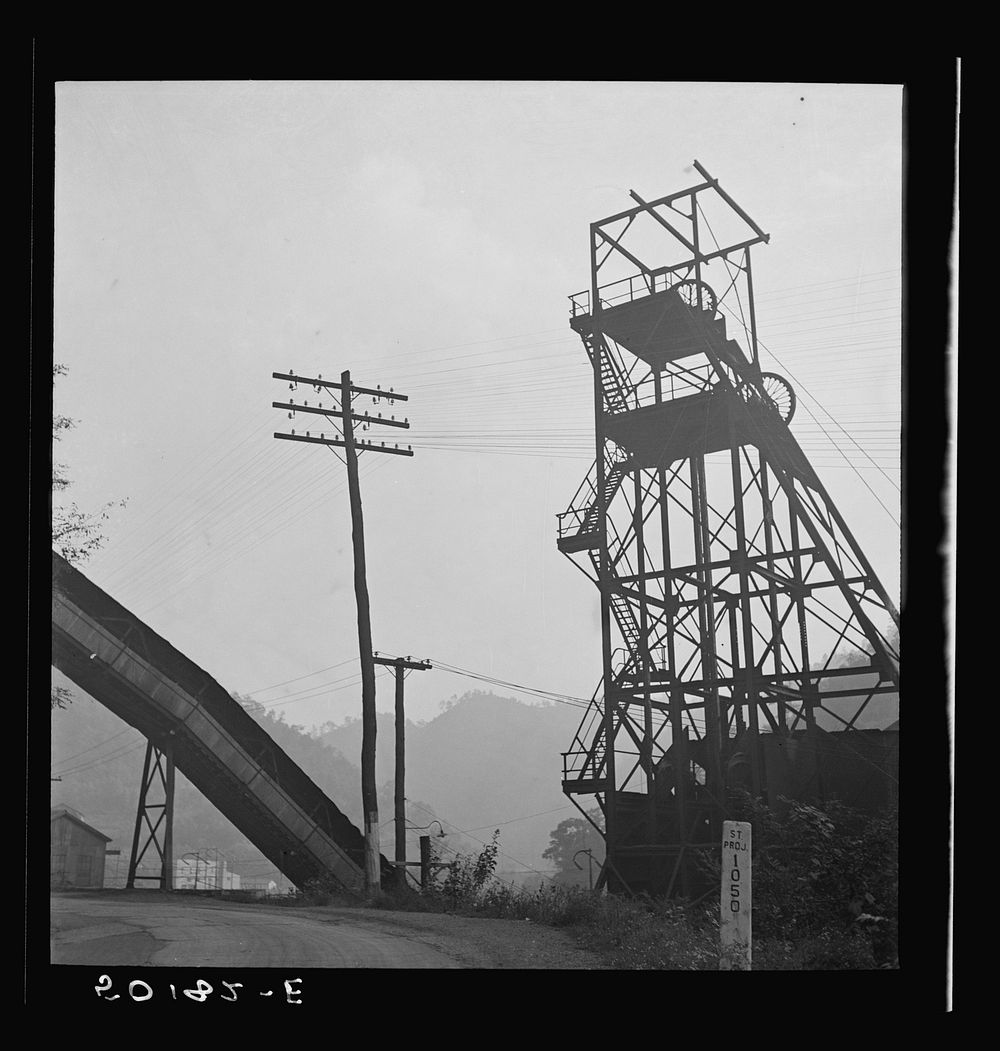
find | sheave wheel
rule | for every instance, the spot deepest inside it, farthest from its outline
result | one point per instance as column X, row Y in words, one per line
column 778, row 395
column 688, row 291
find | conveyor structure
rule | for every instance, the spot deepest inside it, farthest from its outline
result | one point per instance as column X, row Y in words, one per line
column 122, row 663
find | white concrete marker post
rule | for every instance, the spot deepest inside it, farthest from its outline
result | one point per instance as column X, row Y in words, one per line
column 734, row 920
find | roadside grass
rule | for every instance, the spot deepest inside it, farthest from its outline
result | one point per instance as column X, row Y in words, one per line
column 825, row 898
column 627, row 933
column 642, row 933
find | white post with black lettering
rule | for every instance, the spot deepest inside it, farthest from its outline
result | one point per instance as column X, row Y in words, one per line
column 734, row 920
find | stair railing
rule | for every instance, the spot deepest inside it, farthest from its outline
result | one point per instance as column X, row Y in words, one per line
column 582, row 510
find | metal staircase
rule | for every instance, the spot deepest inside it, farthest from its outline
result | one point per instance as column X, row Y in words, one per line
column 584, row 763
column 614, row 473
column 578, row 525
column 619, row 395
column 620, row 607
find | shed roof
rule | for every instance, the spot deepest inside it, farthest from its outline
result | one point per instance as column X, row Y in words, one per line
column 71, row 815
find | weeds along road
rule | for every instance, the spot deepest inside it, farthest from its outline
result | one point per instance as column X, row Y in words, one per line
column 145, row 928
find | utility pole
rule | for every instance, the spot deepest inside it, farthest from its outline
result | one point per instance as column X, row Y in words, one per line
column 425, row 862
column 401, row 664
column 345, row 438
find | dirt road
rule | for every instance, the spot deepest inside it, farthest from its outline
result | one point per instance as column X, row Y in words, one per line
column 151, row 929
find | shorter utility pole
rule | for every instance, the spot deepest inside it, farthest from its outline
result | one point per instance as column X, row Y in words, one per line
column 341, row 413
column 425, row 862
column 401, row 664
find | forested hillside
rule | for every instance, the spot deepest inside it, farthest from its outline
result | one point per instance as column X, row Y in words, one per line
column 96, row 764
column 485, row 762
column 98, row 760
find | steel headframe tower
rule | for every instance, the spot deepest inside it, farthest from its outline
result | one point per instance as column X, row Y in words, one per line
column 731, row 587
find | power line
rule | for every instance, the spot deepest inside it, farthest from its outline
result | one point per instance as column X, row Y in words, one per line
column 523, row 447
column 502, row 853
column 531, row 691
column 308, row 675
column 100, row 744
column 813, row 398
column 514, row 820
column 251, row 530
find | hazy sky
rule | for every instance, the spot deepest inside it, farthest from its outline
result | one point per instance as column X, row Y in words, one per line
column 426, row 237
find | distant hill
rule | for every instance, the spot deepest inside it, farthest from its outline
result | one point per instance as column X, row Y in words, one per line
column 99, row 758
column 878, row 714
column 485, row 762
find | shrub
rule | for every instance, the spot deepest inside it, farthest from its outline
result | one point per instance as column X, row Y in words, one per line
column 827, row 878
column 467, row 875
column 832, row 950
column 825, row 898
column 644, row 933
